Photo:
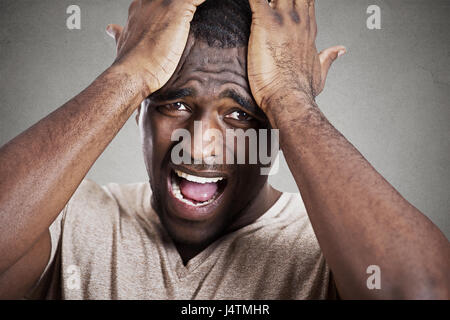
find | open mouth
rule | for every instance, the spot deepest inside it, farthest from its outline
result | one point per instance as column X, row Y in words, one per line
column 194, row 190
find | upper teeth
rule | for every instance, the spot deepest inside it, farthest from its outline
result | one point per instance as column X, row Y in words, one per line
column 197, row 178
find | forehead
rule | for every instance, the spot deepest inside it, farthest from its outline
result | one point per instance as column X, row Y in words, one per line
column 209, row 69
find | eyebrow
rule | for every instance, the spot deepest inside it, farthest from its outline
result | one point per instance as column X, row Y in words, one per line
column 173, row 94
column 176, row 94
column 239, row 99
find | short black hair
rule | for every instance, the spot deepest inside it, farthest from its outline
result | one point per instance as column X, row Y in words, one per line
column 223, row 23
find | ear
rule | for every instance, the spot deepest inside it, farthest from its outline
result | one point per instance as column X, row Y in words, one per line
column 327, row 57
column 114, row 31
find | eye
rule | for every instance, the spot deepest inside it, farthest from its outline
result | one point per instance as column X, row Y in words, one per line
column 173, row 109
column 239, row 115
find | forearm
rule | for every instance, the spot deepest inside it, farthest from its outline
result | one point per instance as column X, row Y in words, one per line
column 42, row 167
column 358, row 217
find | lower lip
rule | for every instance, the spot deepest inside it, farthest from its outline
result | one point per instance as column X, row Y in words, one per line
column 192, row 213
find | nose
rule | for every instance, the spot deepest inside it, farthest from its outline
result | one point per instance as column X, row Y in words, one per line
column 207, row 141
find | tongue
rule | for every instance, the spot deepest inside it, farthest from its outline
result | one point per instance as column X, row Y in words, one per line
column 197, row 191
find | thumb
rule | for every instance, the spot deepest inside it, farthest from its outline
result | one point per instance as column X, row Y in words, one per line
column 114, row 31
column 327, row 57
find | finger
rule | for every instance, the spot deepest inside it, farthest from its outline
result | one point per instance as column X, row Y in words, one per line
column 302, row 7
column 259, row 5
column 327, row 57
column 114, row 31
column 197, row 2
column 312, row 18
column 284, row 4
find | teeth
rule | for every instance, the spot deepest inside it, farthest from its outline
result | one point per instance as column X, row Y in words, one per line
column 197, row 178
column 177, row 193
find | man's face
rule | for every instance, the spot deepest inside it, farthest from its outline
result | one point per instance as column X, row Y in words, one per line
column 210, row 86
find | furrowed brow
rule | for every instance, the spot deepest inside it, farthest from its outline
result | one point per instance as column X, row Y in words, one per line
column 172, row 94
column 243, row 102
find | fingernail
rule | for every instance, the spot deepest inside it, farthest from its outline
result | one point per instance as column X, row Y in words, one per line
column 341, row 52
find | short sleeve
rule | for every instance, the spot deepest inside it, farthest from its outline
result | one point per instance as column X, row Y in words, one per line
column 55, row 236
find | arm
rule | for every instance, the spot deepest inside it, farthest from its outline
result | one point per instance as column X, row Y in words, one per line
column 358, row 217
column 46, row 163
column 43, row 166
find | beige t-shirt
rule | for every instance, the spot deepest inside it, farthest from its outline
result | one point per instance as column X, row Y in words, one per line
column 108, row 243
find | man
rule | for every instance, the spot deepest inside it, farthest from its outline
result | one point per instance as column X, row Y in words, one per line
column 208, row 230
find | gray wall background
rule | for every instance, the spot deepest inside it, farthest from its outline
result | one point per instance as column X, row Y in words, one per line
column 389, row 95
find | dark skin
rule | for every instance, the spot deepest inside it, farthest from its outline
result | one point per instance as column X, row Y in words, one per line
column 206, row 74
column 358, row 217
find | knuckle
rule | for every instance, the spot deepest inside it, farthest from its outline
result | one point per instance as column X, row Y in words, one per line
column 278, row 18
column 295, row 17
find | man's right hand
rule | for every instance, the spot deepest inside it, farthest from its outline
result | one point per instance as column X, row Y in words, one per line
column 151, row 44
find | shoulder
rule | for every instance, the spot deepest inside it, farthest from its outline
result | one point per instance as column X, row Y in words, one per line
column 288, row 234
column 301, row 224
column 285, row 225
column 99, row 220
column 126, row 196
column 289, row 214
column 132, row 198
column 283, row 244
column 95, row 208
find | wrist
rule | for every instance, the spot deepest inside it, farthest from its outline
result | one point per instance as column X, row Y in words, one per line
column 286, row 107
column 120, row 89
column 136, row 80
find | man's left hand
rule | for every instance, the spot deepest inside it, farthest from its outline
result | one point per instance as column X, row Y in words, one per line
column 282, row 55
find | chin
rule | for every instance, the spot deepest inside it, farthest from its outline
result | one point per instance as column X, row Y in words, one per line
column 194, row 206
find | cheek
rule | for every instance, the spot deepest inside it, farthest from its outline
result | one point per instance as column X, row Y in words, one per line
column 254, row 149
column 156, row 137
column 249, row 184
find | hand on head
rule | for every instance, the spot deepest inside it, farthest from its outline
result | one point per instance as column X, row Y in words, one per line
column 282, row 52
column 153, row 40
column 282, row 56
